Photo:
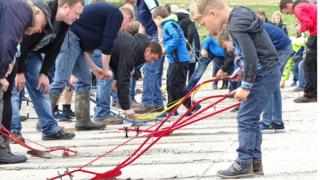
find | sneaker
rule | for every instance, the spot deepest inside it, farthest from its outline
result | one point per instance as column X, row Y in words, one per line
column 61, row 117
column 68, row 113
column 165, row 114
column 298, row 89
column 60, row 135
column 265, row 128
column 278, row 127
column 18, row 136
column 144, row 109
column 257, row 167
column 112, row 120
column 237, row 170
column 305, row 99
column 236, row 109
column 194, row 110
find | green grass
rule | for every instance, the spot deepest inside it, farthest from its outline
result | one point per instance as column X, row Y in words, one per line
column 269, row 6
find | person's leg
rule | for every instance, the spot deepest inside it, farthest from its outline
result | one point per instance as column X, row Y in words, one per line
column 149, row 76
column 64, row 66
column 15, row 102
column 82, row 103
column 191, row 69
column 40, row 100
column 132, row 91
column 66, row 106
column 158, row 100
column 198, row 72
column 310, row 70
column 302, row 81
column 249, row 135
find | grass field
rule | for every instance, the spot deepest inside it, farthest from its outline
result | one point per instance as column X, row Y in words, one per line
column 269, row 6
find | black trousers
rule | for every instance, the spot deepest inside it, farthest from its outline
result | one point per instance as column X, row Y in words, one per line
column 7, row 107
column 310, row 68
column 176, row 82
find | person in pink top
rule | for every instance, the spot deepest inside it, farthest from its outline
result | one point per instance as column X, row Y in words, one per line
column 306, row 13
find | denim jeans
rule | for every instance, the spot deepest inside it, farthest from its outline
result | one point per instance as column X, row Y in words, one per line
column 104, row 88
column 200, row 69
column 301, row 79
column 249, row 134
column 16, row 100
column 295, row 69
column 273, row 110
column 151, row 95
column 71, row 60
column 132, row 91
column 41, row 101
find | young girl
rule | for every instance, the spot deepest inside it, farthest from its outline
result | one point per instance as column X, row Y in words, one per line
column 277, row 19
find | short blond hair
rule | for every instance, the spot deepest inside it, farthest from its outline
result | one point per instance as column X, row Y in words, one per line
column 129, row 10
column 200, row 8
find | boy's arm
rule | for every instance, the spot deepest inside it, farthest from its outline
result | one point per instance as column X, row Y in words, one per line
column 173, row 43
column 152, row 4
column 249, row 53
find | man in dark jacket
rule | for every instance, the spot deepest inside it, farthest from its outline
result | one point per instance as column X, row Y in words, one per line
column 97, row 28
column 16, row 18
column 129, row 52
column 38, row 52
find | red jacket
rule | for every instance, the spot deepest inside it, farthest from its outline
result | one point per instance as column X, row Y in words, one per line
column 306, row 13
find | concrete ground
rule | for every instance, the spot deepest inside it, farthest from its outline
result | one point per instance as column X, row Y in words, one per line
column 194, row 152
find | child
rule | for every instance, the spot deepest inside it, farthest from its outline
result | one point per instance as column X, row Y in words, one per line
column 260, row 75
column 277, row 19
column 176, row 52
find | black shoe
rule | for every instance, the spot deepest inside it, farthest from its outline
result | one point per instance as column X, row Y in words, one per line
column 278, row 127
column 304, row 99
column 67, row 112
column 237, row 170
column 257, row 167
column 60, row 135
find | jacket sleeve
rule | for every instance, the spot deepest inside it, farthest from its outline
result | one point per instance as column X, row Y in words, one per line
column 151, row 4
column 303, row 16
column 123, row 74
column 206, row 43
column 248, row 51
column 174, row 39
column 228, row 62
column 14, row 21
column 112, row 26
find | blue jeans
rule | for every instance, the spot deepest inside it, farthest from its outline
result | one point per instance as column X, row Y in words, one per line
column 301, row 79
column 273, row 110
column 16, row 100
column 249, row 134
column 41, row 101
column 132, row 91
column 200, row 69
column 71, row 60
column 104, row 88
column 151, row 95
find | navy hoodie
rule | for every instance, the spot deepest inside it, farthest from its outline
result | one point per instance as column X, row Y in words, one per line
column 98, row 26
column 247, row 31
column 15, row 18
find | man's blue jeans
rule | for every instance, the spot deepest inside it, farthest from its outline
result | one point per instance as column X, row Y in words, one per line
column 273, row 110
column 249, row 134
column 71, row 60
column 302, row 80
column 200, row 69
column 151, row 96
column 40, row 100
column 102, row 108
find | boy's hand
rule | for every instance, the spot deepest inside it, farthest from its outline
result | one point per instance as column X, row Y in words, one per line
column 241, row 94
column 130, row 113
column 221, row 73
column 4, row 84
column 204, row 53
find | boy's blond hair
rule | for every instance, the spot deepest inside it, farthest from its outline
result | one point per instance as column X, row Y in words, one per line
column 160, row 11
column 129, row 10
column 200, row 8
column 277, row 13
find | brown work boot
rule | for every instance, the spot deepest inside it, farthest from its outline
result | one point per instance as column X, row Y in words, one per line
column 144, row 109
column 304, row 99
column 112, row 120
column 257, row 167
